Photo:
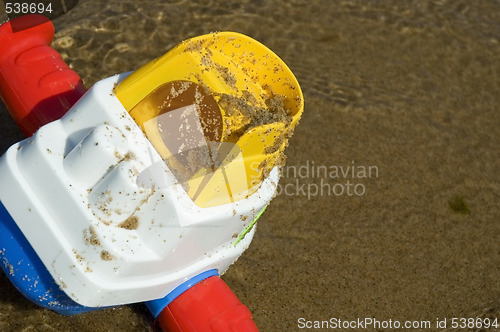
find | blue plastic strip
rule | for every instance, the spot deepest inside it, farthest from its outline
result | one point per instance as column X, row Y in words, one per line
column 27, row 272
column 156, row 306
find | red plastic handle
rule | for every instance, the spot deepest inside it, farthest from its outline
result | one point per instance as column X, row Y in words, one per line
column 36, row 85
column 208, row 306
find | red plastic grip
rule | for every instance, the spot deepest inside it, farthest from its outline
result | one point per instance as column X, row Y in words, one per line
column 208, row 306
column 36, row 85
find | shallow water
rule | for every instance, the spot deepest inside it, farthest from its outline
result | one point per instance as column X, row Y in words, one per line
column 410, row 88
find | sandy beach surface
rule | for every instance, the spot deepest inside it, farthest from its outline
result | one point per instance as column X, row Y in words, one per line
column 388, row 206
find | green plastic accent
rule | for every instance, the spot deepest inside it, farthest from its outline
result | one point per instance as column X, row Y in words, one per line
column 249, row 227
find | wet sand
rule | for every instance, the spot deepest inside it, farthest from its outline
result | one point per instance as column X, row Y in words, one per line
column 410, row 88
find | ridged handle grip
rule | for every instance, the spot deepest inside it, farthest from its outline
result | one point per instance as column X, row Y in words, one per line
column 36, row 85
column 209, row 306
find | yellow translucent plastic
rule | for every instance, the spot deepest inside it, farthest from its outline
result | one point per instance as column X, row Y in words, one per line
column 225, row 63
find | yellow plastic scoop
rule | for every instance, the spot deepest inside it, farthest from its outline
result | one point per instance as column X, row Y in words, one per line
column 219, row 109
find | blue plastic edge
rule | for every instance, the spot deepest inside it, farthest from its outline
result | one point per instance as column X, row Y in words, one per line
column 27, row 272
column 156, row 306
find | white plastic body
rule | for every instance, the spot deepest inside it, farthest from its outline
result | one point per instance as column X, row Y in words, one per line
column 72, row 189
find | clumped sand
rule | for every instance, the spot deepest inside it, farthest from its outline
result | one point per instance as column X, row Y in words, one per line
column 250, row 116
column 131, row 222
column 410, row 87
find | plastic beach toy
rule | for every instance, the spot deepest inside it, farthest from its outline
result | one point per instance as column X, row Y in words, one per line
column 148, row 188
